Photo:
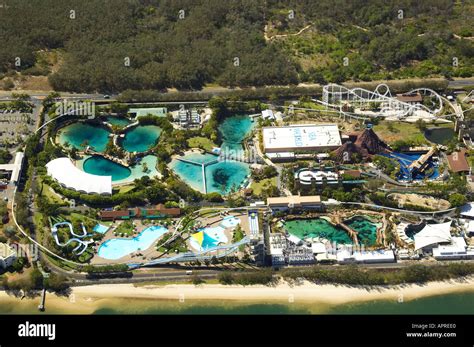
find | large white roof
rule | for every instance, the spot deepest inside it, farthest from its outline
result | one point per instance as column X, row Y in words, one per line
column 66, row 173
column 301, row 136
column 433, row 234
column 467, row 210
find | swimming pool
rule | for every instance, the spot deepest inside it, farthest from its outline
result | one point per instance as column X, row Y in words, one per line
column 118, row 248
column 101, row 229
column 230, row 222
column 208, row 238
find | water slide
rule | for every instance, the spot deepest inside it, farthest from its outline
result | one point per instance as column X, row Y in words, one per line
column 77, row 239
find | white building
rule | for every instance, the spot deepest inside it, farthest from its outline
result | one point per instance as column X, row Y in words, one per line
column 15, row 168
column 188, row 118
column 319, row 138
column 7, row 256
column 378, row 256
column 307, row 176
column 268, row 114
column 277, row 246
column 457, row 249
column 283, row 203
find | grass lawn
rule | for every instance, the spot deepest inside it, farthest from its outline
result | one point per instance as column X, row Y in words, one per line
column 201, row 142
column 399, row 131
column 50, row 195
column 125, row 189
column 82, row 217
column 259, row 186
column 125, row 228
column 238, row 235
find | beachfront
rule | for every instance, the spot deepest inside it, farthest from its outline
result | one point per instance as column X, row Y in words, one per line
column 88, row 299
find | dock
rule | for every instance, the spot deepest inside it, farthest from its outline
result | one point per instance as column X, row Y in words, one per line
column 41, row 306
column 203, row 168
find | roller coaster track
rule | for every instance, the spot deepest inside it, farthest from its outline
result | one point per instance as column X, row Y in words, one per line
column 333, row 94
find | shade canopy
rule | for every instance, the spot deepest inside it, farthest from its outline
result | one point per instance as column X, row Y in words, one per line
column 68, row 175
column 433, row 234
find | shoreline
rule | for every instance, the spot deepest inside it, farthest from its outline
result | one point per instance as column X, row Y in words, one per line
column 88, row 299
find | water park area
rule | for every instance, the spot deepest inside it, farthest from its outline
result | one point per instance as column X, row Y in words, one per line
column 219, row 230
column 415, row 166
column 117, row 248
column 77, row 238
column 128, row 240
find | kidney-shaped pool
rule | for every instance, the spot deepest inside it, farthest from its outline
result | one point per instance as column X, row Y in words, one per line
column 118, row 248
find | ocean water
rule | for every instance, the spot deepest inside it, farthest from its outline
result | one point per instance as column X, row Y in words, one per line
column 446, row 304
column 98, row 165
column 141, row 138
column 79, row 133
column 458, row 303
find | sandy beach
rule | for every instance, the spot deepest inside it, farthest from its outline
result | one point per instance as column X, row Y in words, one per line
column 87, row 299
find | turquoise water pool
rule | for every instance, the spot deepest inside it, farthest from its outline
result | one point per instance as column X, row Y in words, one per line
column 366, row 230
column 317, row 227
column 118, row 248
column 101, row 229
column 230, row 222
column 120, row 121
column 80, row 133
column 212, row 237
column 233, row 130
column 224, row 175
column 221, row 176
column 141, row 138
column 97, row 165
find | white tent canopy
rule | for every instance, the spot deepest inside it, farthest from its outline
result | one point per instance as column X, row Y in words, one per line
column 67, row 174
column 433, row 234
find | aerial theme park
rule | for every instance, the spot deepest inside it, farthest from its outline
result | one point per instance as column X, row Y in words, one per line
column 162, row 157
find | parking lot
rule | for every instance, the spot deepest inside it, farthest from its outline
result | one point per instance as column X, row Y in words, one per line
column 15, row 127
